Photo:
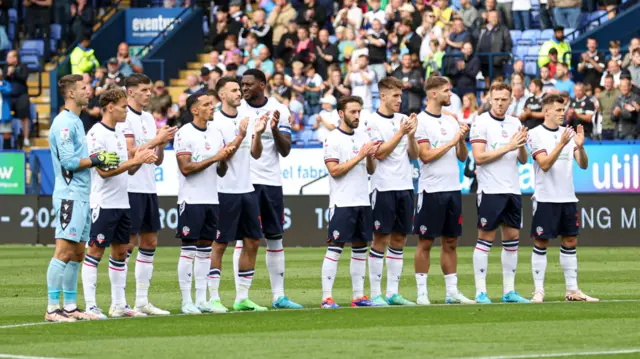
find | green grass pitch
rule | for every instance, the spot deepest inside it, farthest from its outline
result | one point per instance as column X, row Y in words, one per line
column 608, row 329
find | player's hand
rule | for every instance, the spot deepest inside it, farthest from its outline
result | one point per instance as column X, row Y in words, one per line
column 261, row 125
column 405, row 127
column 145, row 156
column 275, row 120
column 244, row 124
column 567, row 135
column 107, row 161
column 366, row 150
column 518, row 140
column 225, row 152
column 413, row 123
column 578, row 138
column 166, row 133
column 463, row 130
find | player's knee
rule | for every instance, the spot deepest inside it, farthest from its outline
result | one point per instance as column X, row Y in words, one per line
column 570, row 242
column 541, row 243
column 251, row 245
column 449, row 244
column 148, row 240
column 97, row 252
column 397, row 240
column 487, row 235
column 425, row 244
column 118, row 251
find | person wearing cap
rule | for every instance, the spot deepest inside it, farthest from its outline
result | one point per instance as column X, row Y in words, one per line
column 204, row 77
column 235, row 10
column 328, row 119
column 559, row 45
column 83, row 58
column 113, row 73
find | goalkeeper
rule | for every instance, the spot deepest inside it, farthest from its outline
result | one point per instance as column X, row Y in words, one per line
column 71, row 165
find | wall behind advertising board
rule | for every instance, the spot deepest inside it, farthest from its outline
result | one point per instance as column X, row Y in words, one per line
column 605, row 220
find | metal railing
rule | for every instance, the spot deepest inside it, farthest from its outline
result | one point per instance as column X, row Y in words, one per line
column 599, row 20
column 312, row 182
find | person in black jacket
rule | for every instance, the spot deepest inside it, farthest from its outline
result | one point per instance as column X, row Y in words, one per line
column 408, row 38
column 223, row 26
column 495, row 37
column 412, row 82
column 259, row 27
column 286, row 49
column 464, row 70
column 82, row 19
column 310, row 12
column 17, row 75
column 325, row 53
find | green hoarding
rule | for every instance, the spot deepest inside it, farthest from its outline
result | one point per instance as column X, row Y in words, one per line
column 12, row 172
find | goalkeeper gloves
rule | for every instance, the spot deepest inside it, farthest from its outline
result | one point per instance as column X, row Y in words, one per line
column 105, row 161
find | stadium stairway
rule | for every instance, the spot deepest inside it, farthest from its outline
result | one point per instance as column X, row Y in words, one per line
column 177, row 86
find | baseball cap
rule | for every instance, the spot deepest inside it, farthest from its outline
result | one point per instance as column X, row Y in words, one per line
column 329, row 99
column 112, row 61
column 204, row 71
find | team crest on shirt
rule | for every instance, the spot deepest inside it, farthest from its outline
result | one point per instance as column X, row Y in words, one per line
column 443, row 131
column 505, row 134
column 483, row 221
column 539, row 230
column 144, row 129
column 186, row 230
column 119, row 145
column 336, row 235
column 100, row 238
column 423, row 229
column 207, row 146
column 376, row 225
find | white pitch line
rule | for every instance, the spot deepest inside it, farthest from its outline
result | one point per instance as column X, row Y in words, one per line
column 13, row 356
column 399, row 307
column 559, row 355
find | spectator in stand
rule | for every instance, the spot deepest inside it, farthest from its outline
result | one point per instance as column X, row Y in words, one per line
column 280, row 17
column 489, row 5
column 82, row 58
column 297, row 111
column 494, row 38
column 82, row 19
column 128, row 64
column 563, row 80
column 312, row 91
column 346, row 45
column 305, row 46
column 298, row 81
column 90, row 115
column 113, row 76
column 613, row 69
column 517, row 103
column 464, row 71
column 361, row 81
column 375, row 12
column 286, row 48
column 614, row 52
column 469, row 110
column 518, row 68
column 553, row 62
column 5, row 113
column 280, row 91
column 328, row 119
column 222, row 27
column 326, row 53
column 193, row 84
column 259, row 27
column 428, row 31
column 38, row 11
column 532, row 114
column 360, row 49
column 310, row 12
column 334, row 85
column 469, row 14
column 410, row 41
column 16, row 74
column 634, row 44
column 160, row 98
column 377, row 46
column 558, row 44
column 443, row 13
column 581, row 110
column 625, row 112
column 505, row 9
column 457, row 37
column 214, row 61
column 264, row 63
column 592, row 64
column 412, row 83
column 251, row 50
column 522, row 14
column 566, row 13
column 230, row 49
column 349, row 16
column 611, row 7
column 433, row 61
column 606, row 100
column 548, row 82
column 235, row 10
column 634, row 68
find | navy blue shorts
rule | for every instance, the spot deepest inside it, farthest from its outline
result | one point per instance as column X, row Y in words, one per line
column 438, row 214
column 392, row 211
column 197, row 221
column 240, row 217
column 271, row 203
column 109, row 225
column 495, row 209
column 555, row 219
column 350, row 224
column 145, row 214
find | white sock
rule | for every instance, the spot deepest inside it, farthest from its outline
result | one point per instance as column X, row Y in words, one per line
column 329, row 270
column 237, row 250
column 126, row 266
column 358, row 270
column 118, row 278
column 395, row 260
column 214, row 283
column 376, row 263
column 538, row 266
column 569, row 264
column 509, row 258
column 185, row 272
column 200, row 272
column 245, row 277
column 275, row 266
column 144, row 272
column 90, row 280
column 451, row 284
column 421, row 281
column 480, row 264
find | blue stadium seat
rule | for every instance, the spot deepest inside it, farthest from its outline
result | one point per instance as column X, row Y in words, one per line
column 13, row 15
column 531, row 66
column 32, row 47
column 56, row 31
column 13, row 21
column 515, row 35
column 521, row 52
column 529, row 37
column 333, row 39
column 545, row 35
column 205, row 26
column 314, row 144
column 535, row 3
column 32, row 62
column 309, row 121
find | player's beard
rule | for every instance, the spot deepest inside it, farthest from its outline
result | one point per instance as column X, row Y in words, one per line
column 350, row 123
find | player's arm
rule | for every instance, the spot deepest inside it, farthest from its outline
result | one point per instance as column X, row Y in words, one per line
column 188, row 167
column 579, row 152
column 140, row 157
column 371, row 165
column 66, row 152
column 482, row 156
column 387, row 147
column 413, row 149
column 462, row 152
column 523, row 156
column 256, row 141
column 222, row 168
column 337, row 169
column 281, row 134
column 546, row 160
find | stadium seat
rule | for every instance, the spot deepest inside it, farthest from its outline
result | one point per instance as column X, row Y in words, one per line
column 56, row 31
column 544, row 36
column 309, row 121
column 13, row 21
column 529, row 37
column 32, row 47
column 205, row 26
column 521, row 52
column 515, row 35
column 314, row 144
column 32, row 62
column 530, row 61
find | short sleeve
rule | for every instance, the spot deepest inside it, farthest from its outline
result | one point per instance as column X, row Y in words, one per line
column 478, row 133
column 95, row 144
column 284, row 124
column 589, row 107
column 535, row 145
column 127, row 130
column 422, row 132
column 181, row 145
column 331, row 150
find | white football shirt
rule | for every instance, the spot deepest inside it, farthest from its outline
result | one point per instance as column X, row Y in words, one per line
column 351, row 189
column 238, row 177
column 394, row 172
column 555, row 185
column 266, row 169
column 333, row 118
column 108, row 192
column 443, row 174
column 500, row 176
column 141, row 126
column 362, row 89
column 201, row 144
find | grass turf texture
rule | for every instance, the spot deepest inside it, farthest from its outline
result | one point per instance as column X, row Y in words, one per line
column 427, row 332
